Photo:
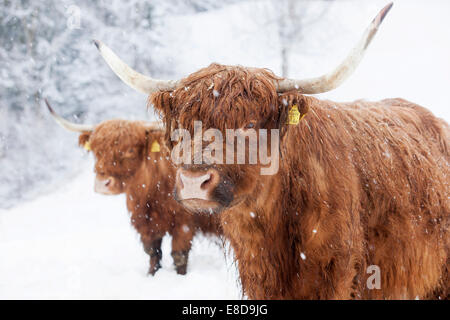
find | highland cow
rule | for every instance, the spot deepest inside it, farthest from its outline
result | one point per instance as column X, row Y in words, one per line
column 130, row 158
column 361, row 186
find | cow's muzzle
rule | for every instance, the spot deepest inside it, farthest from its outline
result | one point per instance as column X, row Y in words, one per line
column 106, row 186
column 196, row 190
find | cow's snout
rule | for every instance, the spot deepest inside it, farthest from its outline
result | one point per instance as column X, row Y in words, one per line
column 196, row 185
column 105, row 185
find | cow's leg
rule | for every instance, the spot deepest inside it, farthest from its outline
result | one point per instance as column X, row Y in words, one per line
column 153, row 248
column 181, row 245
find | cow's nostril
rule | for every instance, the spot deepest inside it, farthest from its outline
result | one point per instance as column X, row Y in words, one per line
column 107, row 183
column 205, row 183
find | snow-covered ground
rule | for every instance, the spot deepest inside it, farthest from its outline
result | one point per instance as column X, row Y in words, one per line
column 76, row 244
column 73, row 243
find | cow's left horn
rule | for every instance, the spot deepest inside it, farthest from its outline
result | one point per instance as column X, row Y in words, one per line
column 67, row 124
column 131, row 77
column 333, row 79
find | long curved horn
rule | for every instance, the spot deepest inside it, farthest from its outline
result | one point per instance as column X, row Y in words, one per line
column 131, row 77
column 333, row 79
column 67, row 124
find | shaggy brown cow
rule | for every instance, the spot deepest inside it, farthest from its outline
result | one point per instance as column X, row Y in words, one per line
column 131, row 159
column 360, row 185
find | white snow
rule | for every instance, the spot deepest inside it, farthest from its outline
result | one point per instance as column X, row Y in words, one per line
column 408, row 57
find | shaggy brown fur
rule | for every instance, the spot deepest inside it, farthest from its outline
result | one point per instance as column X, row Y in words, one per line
column 123, row 153
column 360, row 184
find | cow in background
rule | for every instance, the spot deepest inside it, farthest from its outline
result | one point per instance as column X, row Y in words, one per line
column 130, row 158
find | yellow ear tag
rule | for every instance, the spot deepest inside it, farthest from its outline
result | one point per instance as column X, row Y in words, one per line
column 294, row 115
column 155, row 147
column 87, row 146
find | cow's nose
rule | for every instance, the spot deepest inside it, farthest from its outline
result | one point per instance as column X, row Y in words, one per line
column 103, row 185
column 196, row 185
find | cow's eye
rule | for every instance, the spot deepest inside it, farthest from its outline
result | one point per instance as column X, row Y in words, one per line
column 250, row 125
column 130, row 153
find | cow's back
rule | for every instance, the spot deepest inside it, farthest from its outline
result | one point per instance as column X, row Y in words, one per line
column 388, row 163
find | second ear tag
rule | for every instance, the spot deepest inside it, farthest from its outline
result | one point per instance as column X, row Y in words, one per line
column 155, row 147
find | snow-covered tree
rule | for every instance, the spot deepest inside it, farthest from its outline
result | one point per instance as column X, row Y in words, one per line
column 46, row 50
column 291, row 18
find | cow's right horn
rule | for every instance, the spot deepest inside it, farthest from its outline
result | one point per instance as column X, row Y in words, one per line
column 67, row 124
column 131, row 77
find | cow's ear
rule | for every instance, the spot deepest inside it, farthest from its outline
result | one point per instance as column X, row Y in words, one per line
column 162, row 102
column 83, row 140
column 293, row 108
